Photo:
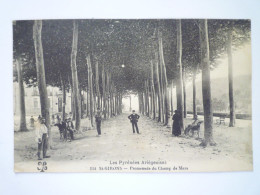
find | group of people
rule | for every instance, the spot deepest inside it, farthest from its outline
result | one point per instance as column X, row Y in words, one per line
column 133, row 119
column 66, row 129
column 176, row 126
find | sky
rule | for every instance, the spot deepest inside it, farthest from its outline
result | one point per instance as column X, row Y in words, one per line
column 242, row 63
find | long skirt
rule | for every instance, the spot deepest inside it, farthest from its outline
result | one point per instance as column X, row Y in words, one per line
column 176, row 129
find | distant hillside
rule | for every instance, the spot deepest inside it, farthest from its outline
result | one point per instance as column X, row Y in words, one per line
column 219, row 92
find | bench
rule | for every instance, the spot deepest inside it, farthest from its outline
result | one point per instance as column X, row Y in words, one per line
column 221, row 120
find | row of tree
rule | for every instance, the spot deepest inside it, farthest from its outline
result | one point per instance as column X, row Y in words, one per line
column 155, row 97
column 109, row 101
column 156, row 56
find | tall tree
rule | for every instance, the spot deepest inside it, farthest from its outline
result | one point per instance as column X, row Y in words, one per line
column 179, row 88
column 184, row 92
column 164, row 80
column 230, row 77
column 104, row 92
column 21, row 96
column 37, row 29
column 153, row 95
column 171, row 97
column 194, row 93
column 75, row 85
column 90, row 90
column 97, row 85
column 63, row 98
column 159, row 88
column 206, row 88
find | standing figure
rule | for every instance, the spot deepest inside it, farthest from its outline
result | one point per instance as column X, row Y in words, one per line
column 98, row 121
column 70, row 128
column 176, row 128
column 134, row 120
column 32, row 121
column 42, row 139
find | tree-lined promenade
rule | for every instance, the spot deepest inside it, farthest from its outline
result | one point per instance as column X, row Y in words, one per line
column 106, row 60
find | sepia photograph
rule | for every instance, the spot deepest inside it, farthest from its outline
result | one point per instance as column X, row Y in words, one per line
column 132, row 95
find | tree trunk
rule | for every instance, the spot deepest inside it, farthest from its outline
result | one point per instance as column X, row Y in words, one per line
column 230, row 80
column 75, row 75
column 37, row 29
column 97, row 84
column 194, row 94
column 71, row 100
column 146, row 98
column 159, row 88
column 90, row 90
column 111, row 100
column 171, row 98
column 120, row 103
column 153, row 91
column 141, row 101
column 164, row 81
column 63, row 100
column 21, row 97
column 104, row 92
column 162, row 89
column 81, row 103
column 88, row 104
column 206, row 89
column 107, row 92
column 115, row 104
column 179, row 87
column 184, row 93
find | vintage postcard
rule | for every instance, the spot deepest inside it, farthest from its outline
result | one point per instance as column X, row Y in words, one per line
column 132, row 95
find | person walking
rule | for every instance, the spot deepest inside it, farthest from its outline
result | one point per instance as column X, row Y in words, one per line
column 134, row 120
column 42, row 139
column 176, row 128
column 98, row 118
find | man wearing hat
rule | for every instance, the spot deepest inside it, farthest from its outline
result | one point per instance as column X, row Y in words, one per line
column 98, row 121
column 134, row 120
column 42, row 139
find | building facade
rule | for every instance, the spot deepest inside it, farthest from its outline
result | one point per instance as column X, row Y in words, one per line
column 32, row 100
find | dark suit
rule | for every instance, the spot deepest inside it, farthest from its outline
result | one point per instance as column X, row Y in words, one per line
column 134, row 120
column 98, row 122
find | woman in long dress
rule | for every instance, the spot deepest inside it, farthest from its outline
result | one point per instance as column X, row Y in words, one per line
column 176, row 128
